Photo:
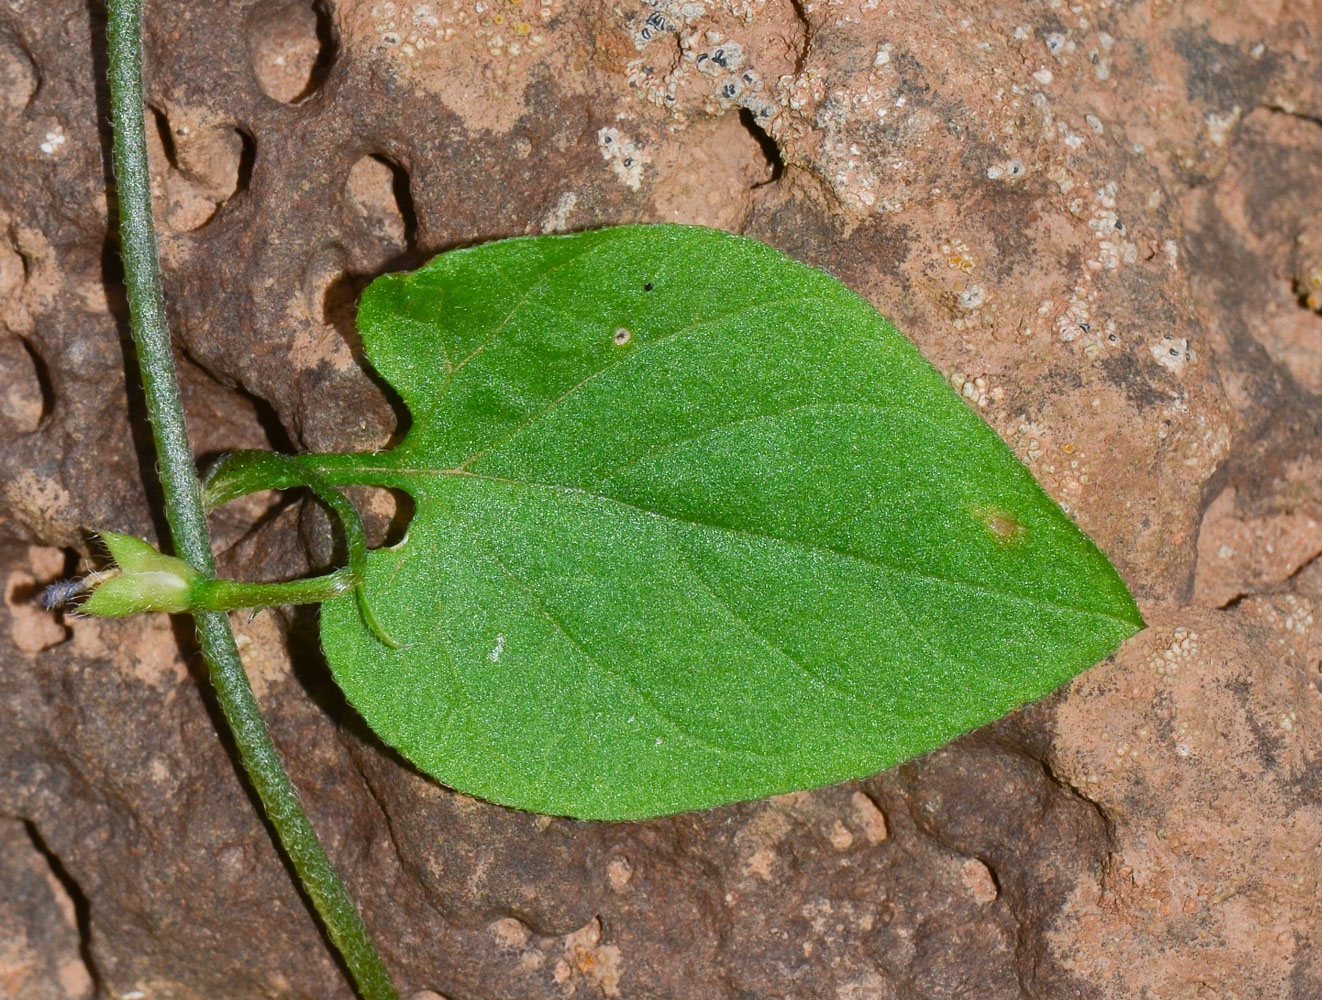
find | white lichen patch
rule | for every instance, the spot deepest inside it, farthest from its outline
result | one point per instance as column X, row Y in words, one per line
column 53, row 141
column 852, row 176
column 1172, row 352
column 1297, row 615
column 708, row 64
column 408, row 29
column 1076, row 319
column 977, row 389
column 1287, row 614
column 676, row 12
column 721, row 59
column 1011, row 169
column 557, row 219
column 1114, row 247
column 1101, row 340
column 1100, row 56
column 625, row 157
column 1180, row 653
column 797, row 92
column 1061, row 177
column 972, row 297
column 652, row 26
column 1220, row 125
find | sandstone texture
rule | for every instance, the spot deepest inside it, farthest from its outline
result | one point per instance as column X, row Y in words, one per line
column 1100, row 219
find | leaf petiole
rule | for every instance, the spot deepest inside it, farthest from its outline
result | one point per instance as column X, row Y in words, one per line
column 241, row 473
column 233, row 595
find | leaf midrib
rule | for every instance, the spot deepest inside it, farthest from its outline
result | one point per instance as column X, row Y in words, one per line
column 398, row 475
column 376, row 474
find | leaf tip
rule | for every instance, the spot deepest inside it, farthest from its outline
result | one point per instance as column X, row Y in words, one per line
column 1134, row 617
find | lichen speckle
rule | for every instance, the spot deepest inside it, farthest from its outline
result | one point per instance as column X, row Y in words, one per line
column 623, row 155
column 1171, row 352
column 53, row 140
column 1010, row 169
column 557, row 219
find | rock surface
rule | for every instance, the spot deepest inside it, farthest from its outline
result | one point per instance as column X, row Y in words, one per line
column 1099, row 219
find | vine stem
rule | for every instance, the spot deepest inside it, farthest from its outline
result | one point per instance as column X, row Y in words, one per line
column 187, row 517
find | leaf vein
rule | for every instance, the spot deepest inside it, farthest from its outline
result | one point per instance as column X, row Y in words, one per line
column 741, row 421
column 597, row 664
column 705, row 584
column 624, row 359
column 523, row 300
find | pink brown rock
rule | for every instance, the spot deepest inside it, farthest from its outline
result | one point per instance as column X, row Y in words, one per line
column 1201, row 741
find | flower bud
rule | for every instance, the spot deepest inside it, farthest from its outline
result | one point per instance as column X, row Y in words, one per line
column 147, row 581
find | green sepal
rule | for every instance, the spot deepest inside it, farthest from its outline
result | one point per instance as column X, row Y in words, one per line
column 147, row 580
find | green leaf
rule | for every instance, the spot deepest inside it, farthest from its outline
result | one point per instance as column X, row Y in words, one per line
column 694, row 524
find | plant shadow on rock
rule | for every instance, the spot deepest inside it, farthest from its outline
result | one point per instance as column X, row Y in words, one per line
column 382, row 226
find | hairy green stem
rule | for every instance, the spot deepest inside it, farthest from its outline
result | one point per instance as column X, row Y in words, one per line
column 187, row 517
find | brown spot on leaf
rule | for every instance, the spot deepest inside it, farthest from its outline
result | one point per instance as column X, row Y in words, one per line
column 1004, row 526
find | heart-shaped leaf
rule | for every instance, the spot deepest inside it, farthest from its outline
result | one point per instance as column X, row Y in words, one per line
column 694, row 524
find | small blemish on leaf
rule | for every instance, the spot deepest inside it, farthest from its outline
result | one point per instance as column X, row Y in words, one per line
column 1005, row 528
column 647, row 287
column 623, row 336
